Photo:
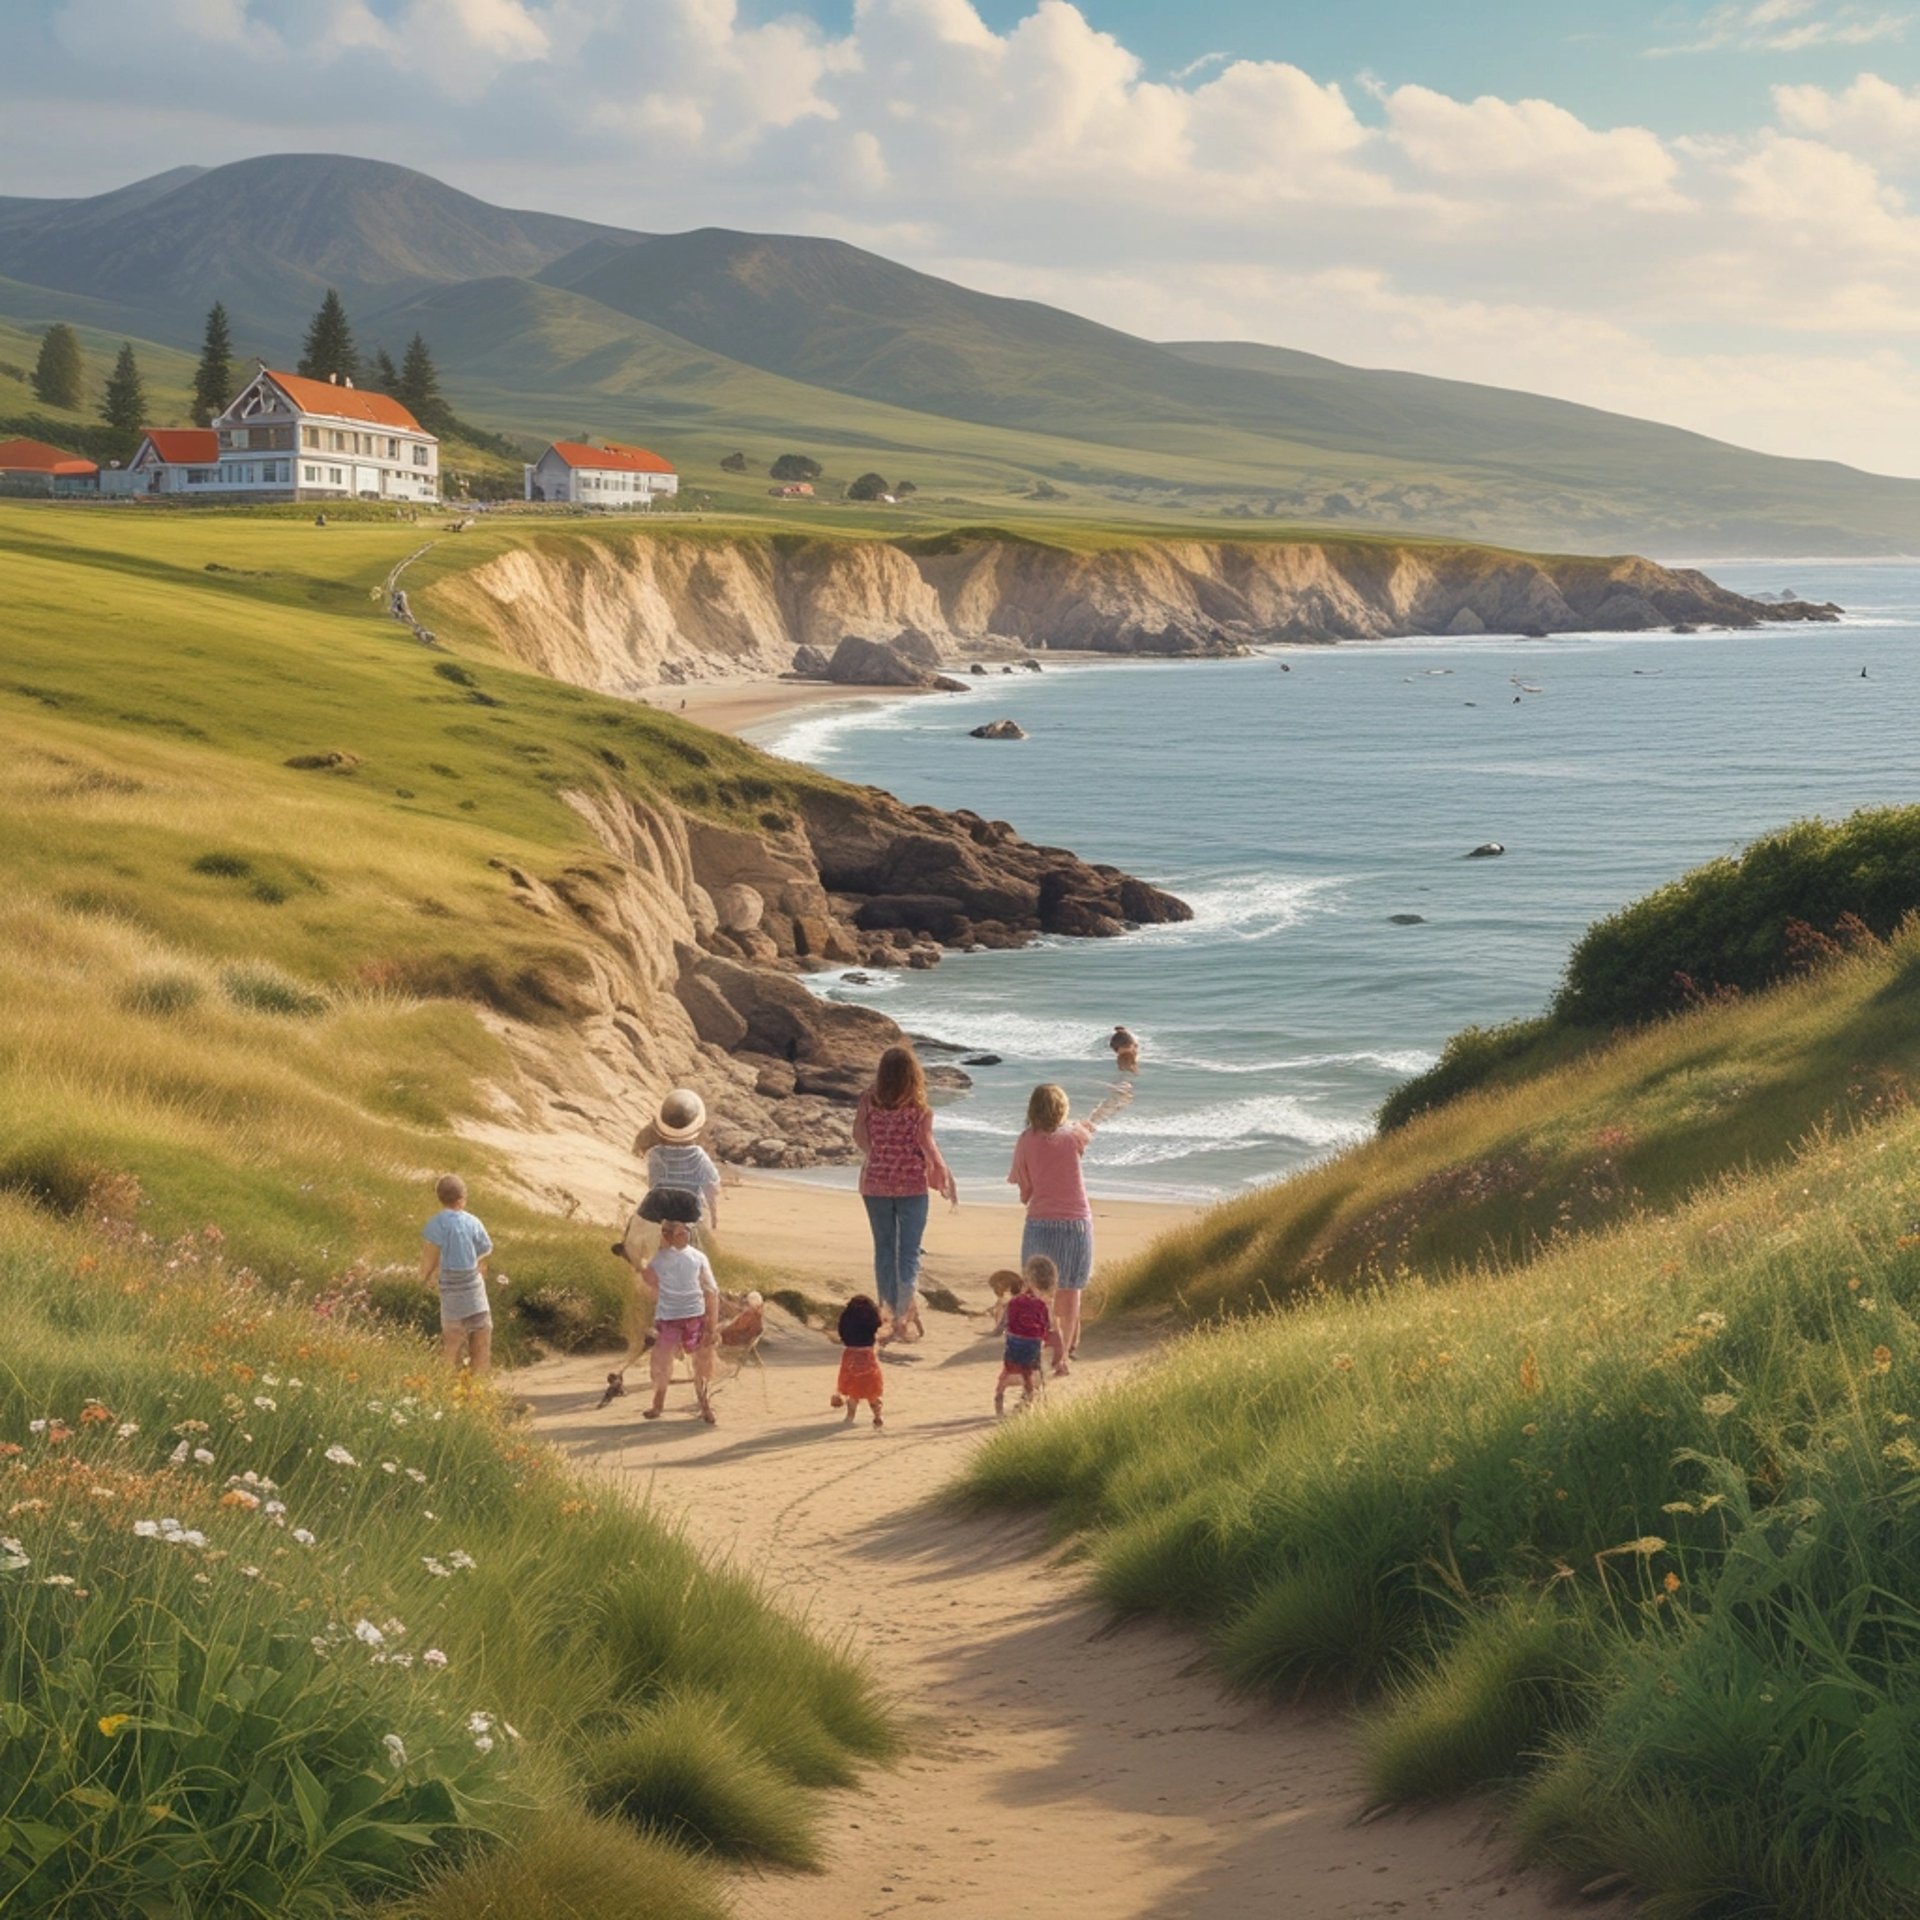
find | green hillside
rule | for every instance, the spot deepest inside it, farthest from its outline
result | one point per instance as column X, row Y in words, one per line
column 1579, row 1453
column 708, row 341
column 259, row 930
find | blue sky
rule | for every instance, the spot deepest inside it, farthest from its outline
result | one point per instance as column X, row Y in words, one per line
column 1703, row 211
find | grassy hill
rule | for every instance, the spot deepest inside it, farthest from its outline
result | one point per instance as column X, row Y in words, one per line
column 707, row 341
column 1568, row 1428
column 292, row 1626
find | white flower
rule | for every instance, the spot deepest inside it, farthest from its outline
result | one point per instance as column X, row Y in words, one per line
column 319, row 1644
column 461, row 1559
column 1718, row 1404
column 394, row 1629
column 147, row 1529
column 265, row 1403
column 36, row 1426
column 479, row 1723
column 9, row 1544
column 418, row 1478
column 126, row 1429
column 435, row 1568
column 396, row 1750
column 341, row 1457
column 483, row 1743
column 250, row 1573
column 271, row 1380
column 13, row 1562
column 302, row 1537
column 204, row 1455
column 58, row 1580
column 190, row 1537
column 274, row 1509
column 433, row 1657
column 389, row 1466
column 178, row 1457
column 368, row 1634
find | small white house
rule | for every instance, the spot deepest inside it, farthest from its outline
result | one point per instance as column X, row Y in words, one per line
column 609, row 476
column 285, row 437
column 169, row 460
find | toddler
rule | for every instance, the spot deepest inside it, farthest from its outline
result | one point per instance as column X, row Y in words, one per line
column 1029, row 1324
column 454, row 1251
column 860, row 1376
column 686, row 1317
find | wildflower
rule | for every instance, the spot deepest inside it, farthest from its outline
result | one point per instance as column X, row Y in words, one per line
column 240, row 1497
column 58, row 1580
column 460, row 1559
column 274, row 1509
column 389, row 1466
column 111, row 1723
column 147, row 1529
column 9, row 1449
column 12, row 1559
column 1343, row 1363
column 250, row 1573
column 1883, row 1360
column 341, row 1457
column 368, row 1634
column 418, row 1478
column 93, row 1414
column 126, row 1429
column 396, row 1750
column 1712, row 1322
column 302, row 1537
column 266, row 1404
column 1529, row 1430
column 1671, row 1583
column 1719, row 1404
column 482, row 1743
column 438, row 1569
column 204, row 1456
column 433, row 1657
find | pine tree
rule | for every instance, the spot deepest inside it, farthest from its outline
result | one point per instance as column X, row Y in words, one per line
column 125, row 409
column 419, row 388
column 213, row 378
column 57, row 374
column 386, row 376
column 329, row 349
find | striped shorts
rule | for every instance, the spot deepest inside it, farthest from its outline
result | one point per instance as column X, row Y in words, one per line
column 1067, row 1243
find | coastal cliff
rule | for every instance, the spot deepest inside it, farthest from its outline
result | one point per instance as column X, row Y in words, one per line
column 625, row 612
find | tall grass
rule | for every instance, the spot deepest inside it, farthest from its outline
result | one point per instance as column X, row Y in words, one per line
column 287, row 1625
column 1636, row 1525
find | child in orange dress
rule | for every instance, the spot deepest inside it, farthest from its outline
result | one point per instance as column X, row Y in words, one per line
column 860, row 1376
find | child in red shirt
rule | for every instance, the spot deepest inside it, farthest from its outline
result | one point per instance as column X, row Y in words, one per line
column 1029, row 1324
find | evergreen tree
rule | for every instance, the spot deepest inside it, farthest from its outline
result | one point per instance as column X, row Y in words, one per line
column 57, row 374
column 213, row 378
column 419, row 388
column 126, row 403
column 329, row 349
column 386, row 376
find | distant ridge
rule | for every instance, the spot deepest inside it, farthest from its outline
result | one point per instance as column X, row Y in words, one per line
column 720, row 339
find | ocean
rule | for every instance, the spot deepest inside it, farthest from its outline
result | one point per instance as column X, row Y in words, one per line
column 1302, row 798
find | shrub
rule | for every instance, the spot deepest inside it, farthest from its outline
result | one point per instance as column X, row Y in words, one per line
column 262, row 988
column 1469, row 1060
column 223, row 866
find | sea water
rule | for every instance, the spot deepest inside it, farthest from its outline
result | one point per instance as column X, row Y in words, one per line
column 1302, row 798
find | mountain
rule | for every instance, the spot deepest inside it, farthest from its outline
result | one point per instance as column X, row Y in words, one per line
column 713, row 339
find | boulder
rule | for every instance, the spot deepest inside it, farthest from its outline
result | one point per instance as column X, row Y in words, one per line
column 873, row 663
column 1407, row 919
column 980, row 1060
column 946, row 1079
column 910, row 643
column 998, row 730
column 739, row 907
column 811, row 664
column 1466, row 621
column 979, row 667
column 1030, row 666
column 946, row 683
column 1487, row 850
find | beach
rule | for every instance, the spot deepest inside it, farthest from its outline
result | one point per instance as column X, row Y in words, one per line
column 1050, row 1756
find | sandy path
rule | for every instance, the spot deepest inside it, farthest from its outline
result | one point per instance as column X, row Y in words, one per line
column 1054, row 1760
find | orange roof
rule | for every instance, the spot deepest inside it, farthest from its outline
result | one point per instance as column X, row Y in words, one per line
column 184, row 446
column 613, row 457
column 35, row 456
column 343, row 403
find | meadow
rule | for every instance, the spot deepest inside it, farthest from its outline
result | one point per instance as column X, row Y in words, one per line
column 1585, row 1462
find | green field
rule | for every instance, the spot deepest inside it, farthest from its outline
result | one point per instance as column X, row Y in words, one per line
column 1567, row 1428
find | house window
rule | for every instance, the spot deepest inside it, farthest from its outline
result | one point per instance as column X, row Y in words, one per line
column 199, row 476
column 338, row 478
column 420, row 456
column 312, row 473
column 310, row 437
column 238, row 438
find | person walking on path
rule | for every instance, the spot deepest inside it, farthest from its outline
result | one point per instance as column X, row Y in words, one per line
column 454, row 1251
column 1046, row 1169
column 893, row 1128
column 682, row 1182
column 686, row 1317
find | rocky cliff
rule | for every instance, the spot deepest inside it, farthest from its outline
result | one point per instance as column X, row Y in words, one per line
column 630, row 611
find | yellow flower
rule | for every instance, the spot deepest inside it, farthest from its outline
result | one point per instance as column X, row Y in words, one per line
column 111, row 1723
column 159, row 1813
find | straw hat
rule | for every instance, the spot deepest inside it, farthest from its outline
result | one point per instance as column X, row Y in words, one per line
column 682, row 1115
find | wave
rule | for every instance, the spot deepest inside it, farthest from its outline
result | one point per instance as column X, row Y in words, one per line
column 1021, row 1034
column 1247, row 906
column 830, row 986
column 1234, row 1123
column 820, row 735
column 1383, row 1059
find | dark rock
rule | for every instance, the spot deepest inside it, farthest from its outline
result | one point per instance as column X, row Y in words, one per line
column 998, row 730
column 811, row 664
column 978, row 667
column 948, row 1079
column 1487, row 850
column 1407, row 919
column 980, row 1060
column 857, row 979
column 946, row 683
column 1031, row 666
column 874, row 663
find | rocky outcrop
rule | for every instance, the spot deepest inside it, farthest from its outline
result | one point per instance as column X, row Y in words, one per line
column 998, row 730
column 634, row 611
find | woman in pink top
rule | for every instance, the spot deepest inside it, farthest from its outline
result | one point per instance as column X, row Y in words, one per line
column 1046, row 1169
column 893, row 1128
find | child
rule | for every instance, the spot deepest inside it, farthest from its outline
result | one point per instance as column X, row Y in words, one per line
column 1029, row 1324
column 1126, row 1050
column 860, row 1377
column 1003, row 1284
column 455, row 1251
column 686, row 1316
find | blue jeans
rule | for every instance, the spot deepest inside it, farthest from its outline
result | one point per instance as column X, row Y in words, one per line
column 899, row 1224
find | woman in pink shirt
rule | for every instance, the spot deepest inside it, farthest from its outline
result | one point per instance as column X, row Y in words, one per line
column 1046, row 1169
column 893, row 1128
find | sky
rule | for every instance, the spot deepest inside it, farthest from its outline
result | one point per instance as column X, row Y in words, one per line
column 1701, row 211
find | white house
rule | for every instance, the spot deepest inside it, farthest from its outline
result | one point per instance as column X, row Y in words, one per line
column 609, row 476
column 285, row 437
column 170, row 460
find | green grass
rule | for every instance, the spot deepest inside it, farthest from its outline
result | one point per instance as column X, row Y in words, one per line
column 390, row 1650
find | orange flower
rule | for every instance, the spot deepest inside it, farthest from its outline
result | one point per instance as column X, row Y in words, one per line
column 1671, row 1583
column 1882, row 1360
column 93, row 1414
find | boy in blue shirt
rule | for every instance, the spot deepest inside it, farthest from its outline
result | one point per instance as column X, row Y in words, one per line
column 455, row 1253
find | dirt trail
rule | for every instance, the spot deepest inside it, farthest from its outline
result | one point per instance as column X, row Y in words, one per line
column 1055, row 1761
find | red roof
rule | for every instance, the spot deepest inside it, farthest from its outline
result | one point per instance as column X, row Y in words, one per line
column 343, row 403
column 185, row 446
column 35, row 456
column 613, row 458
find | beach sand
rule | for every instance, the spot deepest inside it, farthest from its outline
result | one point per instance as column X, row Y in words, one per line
column 1053, row 1761
column 737, row 706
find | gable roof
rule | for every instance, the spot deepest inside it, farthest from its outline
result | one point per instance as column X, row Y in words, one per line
column 183, row 446
column 35, row 456
column 610, row 458
column 343, row 403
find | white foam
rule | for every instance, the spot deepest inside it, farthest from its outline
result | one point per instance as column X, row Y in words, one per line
column 821, row 734
column 1258, row 1120
column 832, row 986
column 1248, row 906
column 1015, row 1033
column 1383, row 1059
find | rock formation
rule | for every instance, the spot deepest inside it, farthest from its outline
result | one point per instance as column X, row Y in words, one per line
column 998, row 730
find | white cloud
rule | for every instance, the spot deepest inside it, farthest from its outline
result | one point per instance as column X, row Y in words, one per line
column 1871, row 117
column 1787, row 26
